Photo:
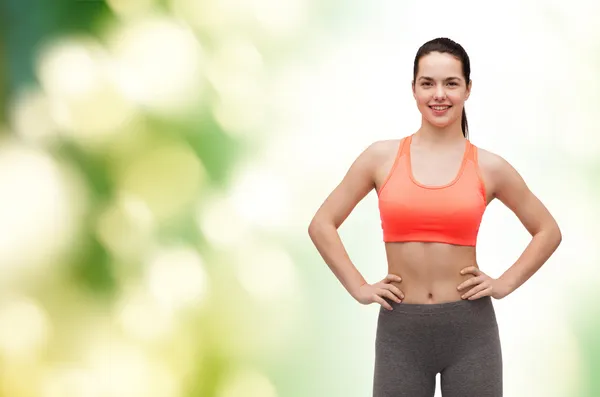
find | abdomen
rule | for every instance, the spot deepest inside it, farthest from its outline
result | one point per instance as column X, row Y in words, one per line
column 430, row 271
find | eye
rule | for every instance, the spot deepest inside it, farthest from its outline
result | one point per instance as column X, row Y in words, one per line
column 453, row 83
column 425, row 84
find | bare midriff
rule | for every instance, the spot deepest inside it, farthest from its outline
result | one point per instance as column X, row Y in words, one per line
column 430, row 272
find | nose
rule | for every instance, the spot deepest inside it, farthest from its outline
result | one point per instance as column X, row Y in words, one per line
column 439, row 94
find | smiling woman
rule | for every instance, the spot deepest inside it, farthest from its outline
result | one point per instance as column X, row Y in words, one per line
column 443, row 82
column 433, row 187
column 439, row 109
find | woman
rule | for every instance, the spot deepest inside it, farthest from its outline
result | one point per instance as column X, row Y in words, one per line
column 433, row 186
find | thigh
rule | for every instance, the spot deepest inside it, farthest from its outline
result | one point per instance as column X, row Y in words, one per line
column 403, row 359
column 393, row 378
column 477, row 369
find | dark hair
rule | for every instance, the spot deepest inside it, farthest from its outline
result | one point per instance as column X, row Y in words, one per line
column 445, row 45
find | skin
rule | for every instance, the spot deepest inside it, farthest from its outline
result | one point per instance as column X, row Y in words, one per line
column 426, row 273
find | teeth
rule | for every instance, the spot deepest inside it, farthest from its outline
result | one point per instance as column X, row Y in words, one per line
column 440, row 107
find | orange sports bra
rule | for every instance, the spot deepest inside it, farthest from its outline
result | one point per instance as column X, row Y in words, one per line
column 411, row 211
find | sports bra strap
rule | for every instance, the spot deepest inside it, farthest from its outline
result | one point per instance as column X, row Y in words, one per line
column 404, row 146
column 473, row 153
column 471, row 150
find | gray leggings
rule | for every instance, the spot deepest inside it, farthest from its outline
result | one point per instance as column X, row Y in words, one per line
column 458, row 340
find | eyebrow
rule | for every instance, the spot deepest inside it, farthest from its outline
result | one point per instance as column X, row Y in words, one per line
column 447, row 79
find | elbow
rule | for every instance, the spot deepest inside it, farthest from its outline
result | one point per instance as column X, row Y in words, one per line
column 313, row 228
column 558, row 236
column 554, row 235
column 316, row 226
column 550, row 233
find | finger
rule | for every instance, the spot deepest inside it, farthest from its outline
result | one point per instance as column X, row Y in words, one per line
column 471, row 270
column 469, row 282
column 394, row 289
column 481, row 294
column 392, row 277
column 475, row 290
column 382, row 302
column 388, row 294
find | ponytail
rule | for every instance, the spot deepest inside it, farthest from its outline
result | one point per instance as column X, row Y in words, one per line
column 464, row 125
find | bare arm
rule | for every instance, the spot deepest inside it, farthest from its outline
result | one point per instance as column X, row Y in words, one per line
column 357, row 183
column 510, row 188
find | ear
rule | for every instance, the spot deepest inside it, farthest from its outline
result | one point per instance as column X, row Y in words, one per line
column 413, row 89
column 469, row 89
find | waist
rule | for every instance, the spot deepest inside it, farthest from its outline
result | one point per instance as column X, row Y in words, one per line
column 462, row 239
column 430, row 271
column 464, row 306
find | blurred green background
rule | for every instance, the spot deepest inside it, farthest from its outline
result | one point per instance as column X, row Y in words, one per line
column 160, row 161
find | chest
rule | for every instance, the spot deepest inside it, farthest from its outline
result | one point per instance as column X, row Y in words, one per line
column 429, row 169
column 434, row 169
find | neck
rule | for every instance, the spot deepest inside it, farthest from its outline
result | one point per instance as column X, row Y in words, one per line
column 440, row 135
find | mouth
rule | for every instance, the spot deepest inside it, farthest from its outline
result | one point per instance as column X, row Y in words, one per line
column 439, row 110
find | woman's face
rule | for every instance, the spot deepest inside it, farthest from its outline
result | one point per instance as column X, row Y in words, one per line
column 440, row 89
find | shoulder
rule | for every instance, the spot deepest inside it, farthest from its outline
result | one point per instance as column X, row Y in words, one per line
column 383, row 149
column 375, row 155
column 379, row 152
column 490, row 162
column 496, row 169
